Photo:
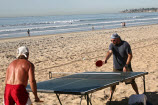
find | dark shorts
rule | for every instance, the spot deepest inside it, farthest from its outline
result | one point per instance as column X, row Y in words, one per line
column 129, row 69
column 15, row 94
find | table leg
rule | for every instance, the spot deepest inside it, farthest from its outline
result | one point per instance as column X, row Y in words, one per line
column 58, row 99
column 144, row 83
column 88, row 100
column 111, row 98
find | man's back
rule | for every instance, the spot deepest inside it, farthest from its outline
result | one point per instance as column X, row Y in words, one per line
column 17, row 75
column 18, row 71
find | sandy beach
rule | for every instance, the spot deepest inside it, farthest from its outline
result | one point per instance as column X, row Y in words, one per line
column 78, row 52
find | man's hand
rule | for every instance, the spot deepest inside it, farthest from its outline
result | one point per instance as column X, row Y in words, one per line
column 37, row 100
column 124, row 69
column 105, row 61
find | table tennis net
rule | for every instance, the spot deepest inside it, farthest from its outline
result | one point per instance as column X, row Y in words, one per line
column 90, row 75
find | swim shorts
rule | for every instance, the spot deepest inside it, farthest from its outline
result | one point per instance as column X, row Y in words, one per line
column 16, row 94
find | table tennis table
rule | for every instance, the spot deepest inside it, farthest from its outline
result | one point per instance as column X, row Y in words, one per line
column 85, row 83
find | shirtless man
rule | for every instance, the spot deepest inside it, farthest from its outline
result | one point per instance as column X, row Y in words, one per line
column 17, row 75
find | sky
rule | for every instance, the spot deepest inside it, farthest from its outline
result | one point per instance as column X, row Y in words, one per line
column 16, row 8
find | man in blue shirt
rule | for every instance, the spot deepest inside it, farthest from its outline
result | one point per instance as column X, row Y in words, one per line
column 122, row 56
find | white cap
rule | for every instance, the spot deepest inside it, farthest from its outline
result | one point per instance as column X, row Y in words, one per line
column 22, row 51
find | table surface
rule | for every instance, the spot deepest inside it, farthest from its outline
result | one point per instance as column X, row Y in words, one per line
column 84, row 83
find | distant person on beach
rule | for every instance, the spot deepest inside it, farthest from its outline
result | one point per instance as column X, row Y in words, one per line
column 123, row 24
column 92, row 28
column 28, row 32
column 122, row 56
column 17, row 75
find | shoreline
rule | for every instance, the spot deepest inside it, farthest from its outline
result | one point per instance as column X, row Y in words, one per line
column 45, row 35
column 78, row 52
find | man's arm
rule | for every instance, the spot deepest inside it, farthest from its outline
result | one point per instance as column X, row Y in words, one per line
column 6, row 77
column 128, row 61
column 33, row 82
column 108, row 55
column 129, row 58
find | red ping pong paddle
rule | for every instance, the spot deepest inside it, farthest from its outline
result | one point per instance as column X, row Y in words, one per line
column 99, row 63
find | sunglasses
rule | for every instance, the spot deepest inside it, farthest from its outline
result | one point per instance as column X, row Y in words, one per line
column 113, row 40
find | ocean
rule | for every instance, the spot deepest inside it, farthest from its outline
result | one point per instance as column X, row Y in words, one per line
column 44, row 25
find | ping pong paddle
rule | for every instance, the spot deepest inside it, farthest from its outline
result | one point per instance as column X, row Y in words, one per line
column 99, row 63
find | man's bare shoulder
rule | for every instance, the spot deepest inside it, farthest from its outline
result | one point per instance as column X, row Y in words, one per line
column 23, row 62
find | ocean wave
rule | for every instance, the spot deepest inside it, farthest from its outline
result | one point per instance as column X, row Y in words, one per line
column 42, row 23
column 64, row 26
column 79, row 21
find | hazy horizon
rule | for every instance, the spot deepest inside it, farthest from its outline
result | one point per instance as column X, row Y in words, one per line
column 19, row 8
